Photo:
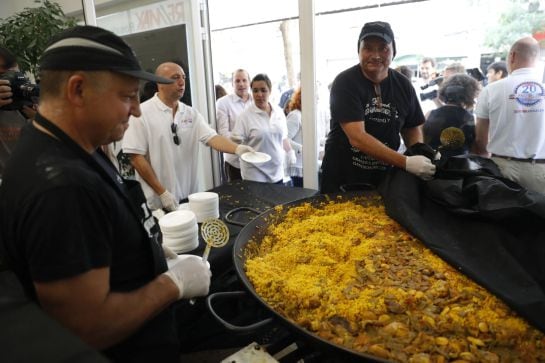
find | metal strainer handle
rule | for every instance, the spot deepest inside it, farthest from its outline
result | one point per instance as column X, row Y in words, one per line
column 216, row 234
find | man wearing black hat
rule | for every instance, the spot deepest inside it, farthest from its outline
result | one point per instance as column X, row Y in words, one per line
column 371, row 105
column 79, row 237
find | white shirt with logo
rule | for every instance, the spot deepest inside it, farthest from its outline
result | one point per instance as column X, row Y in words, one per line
column 174, row 165
column 515, row 108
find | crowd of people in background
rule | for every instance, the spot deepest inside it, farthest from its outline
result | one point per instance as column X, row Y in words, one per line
column 230, row 106
column 443, row 94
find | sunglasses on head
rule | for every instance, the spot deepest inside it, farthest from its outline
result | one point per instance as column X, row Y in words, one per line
column 174, row 128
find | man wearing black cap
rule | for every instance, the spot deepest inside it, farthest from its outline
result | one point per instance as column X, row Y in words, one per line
column 371, row 105
column 80, row 238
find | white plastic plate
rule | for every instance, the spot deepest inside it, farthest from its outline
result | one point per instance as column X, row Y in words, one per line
column 255, row 157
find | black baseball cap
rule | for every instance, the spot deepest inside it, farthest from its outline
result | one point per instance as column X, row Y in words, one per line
column 379, row 29
column 89, row 48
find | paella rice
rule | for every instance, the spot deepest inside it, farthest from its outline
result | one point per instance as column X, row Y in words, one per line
column 347, row 272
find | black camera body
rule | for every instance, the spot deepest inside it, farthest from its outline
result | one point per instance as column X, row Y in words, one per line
column 428, row 96
column 476, row 73
column 433, row 82
column 25, row 93
column 473, row 72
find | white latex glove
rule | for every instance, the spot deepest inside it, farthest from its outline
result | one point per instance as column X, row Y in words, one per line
column 420, row 166
column 169, row 254
column 237, row 139
column 192, row 276
column 437, row 155
column 292, row 157
column 243, row 149
column 168, row 201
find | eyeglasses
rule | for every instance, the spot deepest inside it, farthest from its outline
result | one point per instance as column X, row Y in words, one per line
column 174, row 128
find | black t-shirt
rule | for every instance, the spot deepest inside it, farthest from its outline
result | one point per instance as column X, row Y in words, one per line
column 449, row 116
column 60, row 216
column 353, row 99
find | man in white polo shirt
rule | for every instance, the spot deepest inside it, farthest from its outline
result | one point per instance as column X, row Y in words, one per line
column 163, row 142
column 511, row 119
column 227, row 110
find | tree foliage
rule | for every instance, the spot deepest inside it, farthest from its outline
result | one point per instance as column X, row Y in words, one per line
column 522, row 18
column 27, row 32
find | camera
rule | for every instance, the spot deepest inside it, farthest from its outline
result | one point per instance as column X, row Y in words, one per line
column 429, row 95
column 433, row 82
column 476, row 73
column 433, row 93
column 24, row 92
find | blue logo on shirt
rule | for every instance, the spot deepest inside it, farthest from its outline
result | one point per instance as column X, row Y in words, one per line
column 528, row 93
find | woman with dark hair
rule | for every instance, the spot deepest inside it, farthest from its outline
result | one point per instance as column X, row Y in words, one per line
column 220, row 91
column 263, row 127
column 295, row 136
column 451, row 127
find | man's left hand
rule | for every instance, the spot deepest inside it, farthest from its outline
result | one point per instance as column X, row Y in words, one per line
column 420, row 166
column 243, row 149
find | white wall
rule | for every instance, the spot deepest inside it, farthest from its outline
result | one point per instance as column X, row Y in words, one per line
column 70, row 7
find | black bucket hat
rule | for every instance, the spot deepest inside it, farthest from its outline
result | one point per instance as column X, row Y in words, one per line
column 89, row 48
column 379, row 29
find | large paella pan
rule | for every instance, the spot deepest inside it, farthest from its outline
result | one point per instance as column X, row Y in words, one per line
column 337, row 270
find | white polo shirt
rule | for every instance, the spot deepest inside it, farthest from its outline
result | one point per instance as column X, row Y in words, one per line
column 174, row 165
column 227, row 109
column 515, row 108
column 264, row 134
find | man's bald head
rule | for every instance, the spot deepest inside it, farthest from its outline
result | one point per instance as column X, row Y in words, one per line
column 523, row 54
column 170, row 94
column 167, row 67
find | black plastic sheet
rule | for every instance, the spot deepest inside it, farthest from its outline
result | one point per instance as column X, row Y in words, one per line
column 489, row 228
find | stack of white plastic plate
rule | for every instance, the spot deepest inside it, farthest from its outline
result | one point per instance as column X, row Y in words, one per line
column 205, row 205
column 180, row 230
column 183, row 206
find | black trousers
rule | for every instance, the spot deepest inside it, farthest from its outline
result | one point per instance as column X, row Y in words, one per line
column 232, row 172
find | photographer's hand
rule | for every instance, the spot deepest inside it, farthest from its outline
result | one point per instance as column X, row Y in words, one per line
column 5, row 93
